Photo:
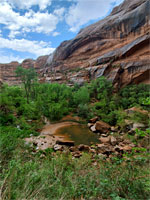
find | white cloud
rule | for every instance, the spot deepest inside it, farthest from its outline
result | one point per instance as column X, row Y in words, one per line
column 13, row 34
column 55, row 34
column 85, row 10
column 26, row 4
column 9, row 58
column 35, row 47
column 29, row 22
column 59, row 12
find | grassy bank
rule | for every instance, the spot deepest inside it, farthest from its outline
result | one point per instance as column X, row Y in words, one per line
column 48, row 175
column 58, row 177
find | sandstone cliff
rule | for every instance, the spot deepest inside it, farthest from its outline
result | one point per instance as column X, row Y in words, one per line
column 7, row 71
column 117, row 47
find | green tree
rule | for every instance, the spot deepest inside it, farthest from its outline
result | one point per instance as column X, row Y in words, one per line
column 28, row 78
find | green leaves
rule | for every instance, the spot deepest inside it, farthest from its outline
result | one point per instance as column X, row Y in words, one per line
column 81, row 96
column 28, row 77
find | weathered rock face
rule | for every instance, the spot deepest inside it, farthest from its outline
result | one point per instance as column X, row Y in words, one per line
column 7, row 74
column 7, row 71
column 117, row 47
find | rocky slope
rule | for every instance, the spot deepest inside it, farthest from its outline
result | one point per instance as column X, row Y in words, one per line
column 117, row 47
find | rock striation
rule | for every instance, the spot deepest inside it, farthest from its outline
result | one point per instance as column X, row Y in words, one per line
column 7, row 71
column 117, row 47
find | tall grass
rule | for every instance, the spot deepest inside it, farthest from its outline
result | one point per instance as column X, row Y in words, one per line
column 29, row 177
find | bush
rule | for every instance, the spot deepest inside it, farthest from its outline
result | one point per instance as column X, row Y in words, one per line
column 83, row 111
column 100, row 88
column 81, row 96
column 132, row 95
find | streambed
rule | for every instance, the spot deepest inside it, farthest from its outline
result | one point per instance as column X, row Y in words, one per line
column 78, row 133
column 63, row 131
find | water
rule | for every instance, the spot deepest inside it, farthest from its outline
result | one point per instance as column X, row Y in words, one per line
column 80, row 134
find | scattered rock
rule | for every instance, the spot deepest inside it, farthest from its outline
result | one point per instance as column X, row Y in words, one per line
column 109, row 150
column 92, row 151
column 42, row 156
column 100, row 145
column 129, row 124
column 83, row 147
column 73, row 148
column 58, row 147
column 77, row 154
column 114, row 129
column 35, row 143
column 104, row 139
column 93, row 129
column 131, row 132
column 135, row 109
column 102, row 127
column 113, row 140
column 118, row 148
column 126, row 141
column 122, row 133
column 90, row 125
column 126, row 148
column 138, row 125
column 65, row 142
column 93, row 120
column 104, row 135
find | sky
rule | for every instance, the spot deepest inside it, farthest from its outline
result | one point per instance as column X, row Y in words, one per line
column 32, row 28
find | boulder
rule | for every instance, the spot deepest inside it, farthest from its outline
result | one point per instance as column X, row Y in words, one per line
column 104, row 139
column 137, row 125
column 135, row 109
column 100, row 145
column 57, row 147
column 73, row 148
column 102, row 127
column 65, row 142
column 114, row 129
column 93, row 129
column 93, row 120
column 90, row 125
column 126, row 148
column 83, row 147
column 113, row 140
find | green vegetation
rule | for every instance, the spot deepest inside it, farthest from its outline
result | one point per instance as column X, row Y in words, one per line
column 47, row 175
column 28, row 77
column 60, row 177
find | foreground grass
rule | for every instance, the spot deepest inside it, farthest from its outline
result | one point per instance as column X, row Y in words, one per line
column 30, row 177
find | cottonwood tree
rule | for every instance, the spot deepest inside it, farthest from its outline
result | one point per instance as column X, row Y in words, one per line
column 28, row 78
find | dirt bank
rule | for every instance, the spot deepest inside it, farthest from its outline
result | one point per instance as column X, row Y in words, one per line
column 51, row 129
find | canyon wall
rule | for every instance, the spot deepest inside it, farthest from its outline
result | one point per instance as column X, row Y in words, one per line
column 117, row 47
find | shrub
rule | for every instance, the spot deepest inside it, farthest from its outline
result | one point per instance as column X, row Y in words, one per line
column 81, row 96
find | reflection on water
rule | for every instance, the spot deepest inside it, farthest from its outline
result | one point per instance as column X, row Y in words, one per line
column 80, row 134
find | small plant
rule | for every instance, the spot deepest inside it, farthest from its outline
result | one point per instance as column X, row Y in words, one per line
column 141, row 133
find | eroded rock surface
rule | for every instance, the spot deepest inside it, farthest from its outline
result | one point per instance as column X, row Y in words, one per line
column 117, row 47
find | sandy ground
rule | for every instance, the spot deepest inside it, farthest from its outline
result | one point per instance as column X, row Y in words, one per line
column 51, row 129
